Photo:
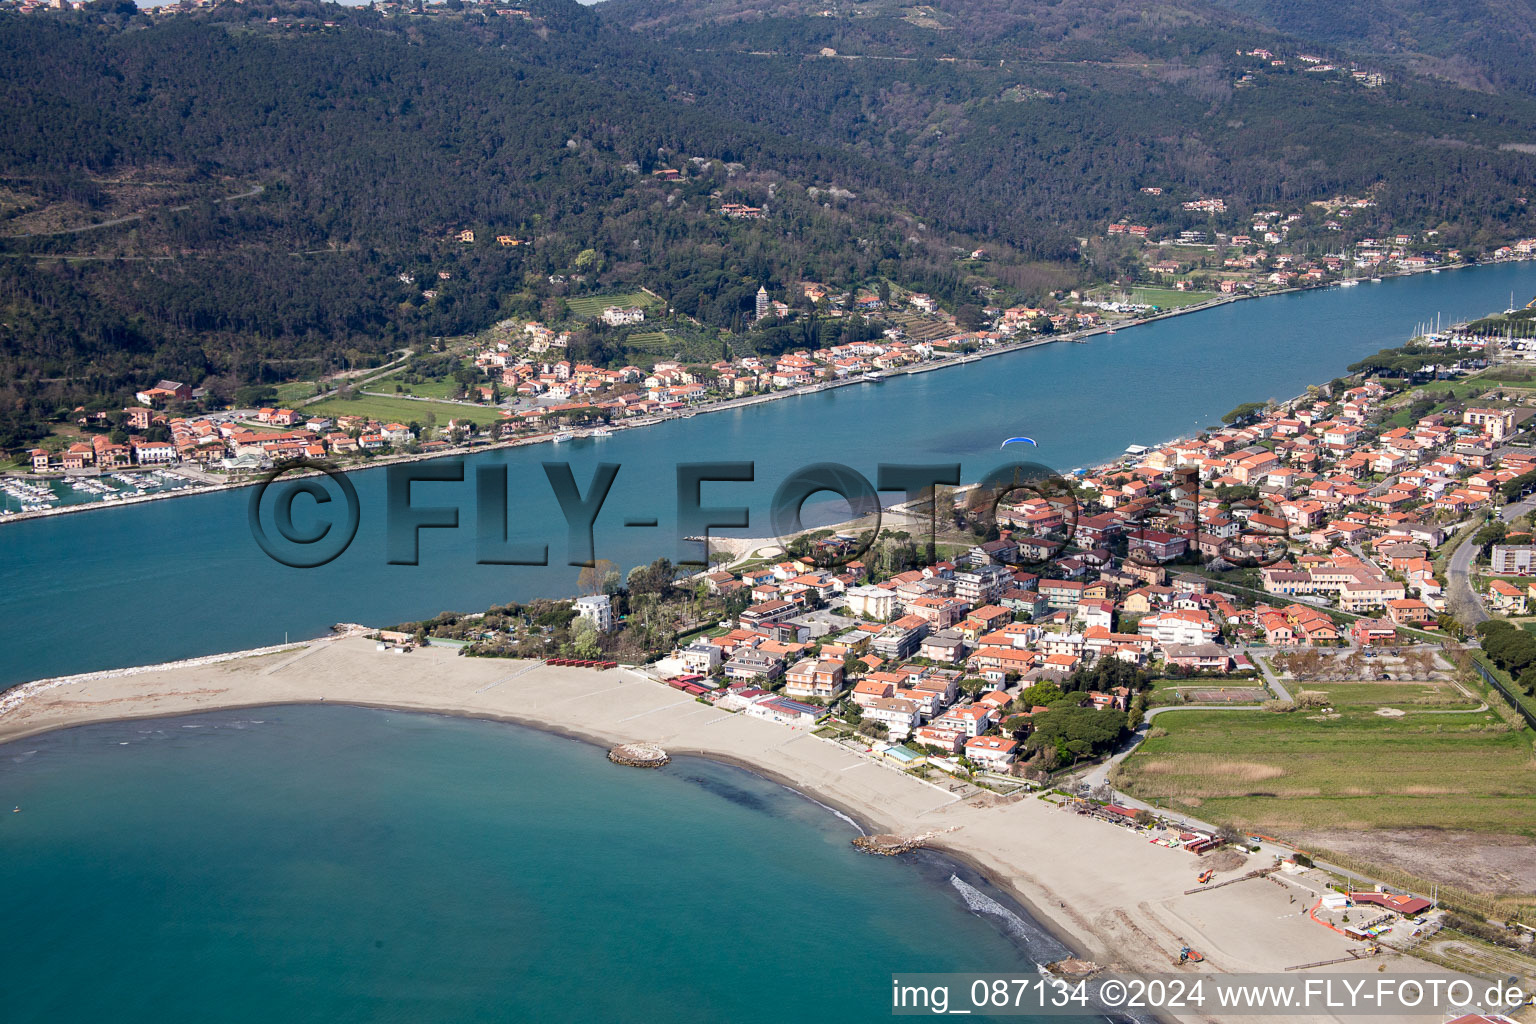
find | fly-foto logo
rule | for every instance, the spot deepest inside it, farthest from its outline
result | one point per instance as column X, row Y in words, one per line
column 1034, row 504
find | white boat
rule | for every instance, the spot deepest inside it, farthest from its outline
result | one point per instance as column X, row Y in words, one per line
column 873, row 378
column 601, row 432
column 1348, row 284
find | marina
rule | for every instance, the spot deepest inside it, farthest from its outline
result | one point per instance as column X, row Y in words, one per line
column 18, row 495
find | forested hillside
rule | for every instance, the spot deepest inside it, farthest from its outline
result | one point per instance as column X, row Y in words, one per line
column 270, row 190
column 1486, row 44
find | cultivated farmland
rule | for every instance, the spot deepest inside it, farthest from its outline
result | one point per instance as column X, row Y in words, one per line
column 1370, row 755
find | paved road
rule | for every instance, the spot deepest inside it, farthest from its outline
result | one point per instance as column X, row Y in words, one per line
column 1269, row 676
column 1465, row 601
column 1461, row 598
column 129, row 218
column 1515, row 509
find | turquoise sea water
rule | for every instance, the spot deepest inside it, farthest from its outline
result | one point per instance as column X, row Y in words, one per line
column 183, row 577
column 335, row 864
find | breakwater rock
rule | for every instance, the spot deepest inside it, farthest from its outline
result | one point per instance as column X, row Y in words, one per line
column 884, row 844
column 638, row 755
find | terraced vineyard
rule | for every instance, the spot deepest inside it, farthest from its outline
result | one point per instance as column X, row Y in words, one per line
column 587, row 307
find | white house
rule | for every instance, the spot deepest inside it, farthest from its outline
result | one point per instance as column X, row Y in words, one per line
column 992, row 751
column 1188, row 627
column 899, row 716
column 620, row 316
column 700, row 657
column 597, row 610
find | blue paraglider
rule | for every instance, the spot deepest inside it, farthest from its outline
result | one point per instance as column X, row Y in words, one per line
column 1014, row 440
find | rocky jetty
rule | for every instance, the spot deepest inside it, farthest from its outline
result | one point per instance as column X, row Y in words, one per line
column 638, row 755
column 1072, row 968
column 884, row 844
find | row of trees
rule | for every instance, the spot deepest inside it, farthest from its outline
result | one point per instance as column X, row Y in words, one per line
column 1513, row 649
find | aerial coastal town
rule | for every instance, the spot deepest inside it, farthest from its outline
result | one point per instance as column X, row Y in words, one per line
column 1130, row 571
column 1357, row 532
column 1232, row 708
column 516, row 384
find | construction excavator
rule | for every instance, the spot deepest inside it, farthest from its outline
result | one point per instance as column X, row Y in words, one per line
column 1206, row 876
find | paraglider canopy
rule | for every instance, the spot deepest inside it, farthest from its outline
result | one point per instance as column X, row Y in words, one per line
column 1014, row 440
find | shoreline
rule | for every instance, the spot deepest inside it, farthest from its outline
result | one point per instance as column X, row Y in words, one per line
column 952, row 860
column 1128, row 911
column 862, row 818
column 725, row 405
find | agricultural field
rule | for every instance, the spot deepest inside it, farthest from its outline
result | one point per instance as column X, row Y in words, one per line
column 689, row 344
column 404, row 410
column 920, row 326
column 586, row 307
column 1367, row 755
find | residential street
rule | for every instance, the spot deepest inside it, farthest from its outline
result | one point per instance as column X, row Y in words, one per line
column 1464, row 601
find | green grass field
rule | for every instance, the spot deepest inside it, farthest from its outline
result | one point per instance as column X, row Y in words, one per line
column 404, row 410
column 1350, row 768
column 1462, row 389
column 586, row 307
column 293, row 391
column 438, row 387
column 1170, row 298
column 1509, row 377
column 1526, row 701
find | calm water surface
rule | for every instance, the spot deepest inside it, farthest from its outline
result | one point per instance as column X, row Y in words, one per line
column 183, row 577
column 338, row 864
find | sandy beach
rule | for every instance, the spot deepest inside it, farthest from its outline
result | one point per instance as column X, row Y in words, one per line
column 1106, row 890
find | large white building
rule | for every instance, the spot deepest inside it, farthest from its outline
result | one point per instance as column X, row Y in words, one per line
column 701, row 657
column 1184, row 626
column 1513, row 559
column 597, row 610
column 871, row 602
column 899, row 715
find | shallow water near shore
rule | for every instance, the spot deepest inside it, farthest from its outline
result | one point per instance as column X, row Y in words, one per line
column 346, row 864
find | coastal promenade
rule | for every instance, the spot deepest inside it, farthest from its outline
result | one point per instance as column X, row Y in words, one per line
column 1105, row 890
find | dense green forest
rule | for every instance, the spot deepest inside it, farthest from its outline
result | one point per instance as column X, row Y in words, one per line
column 1483, row 44
column 279, row 185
